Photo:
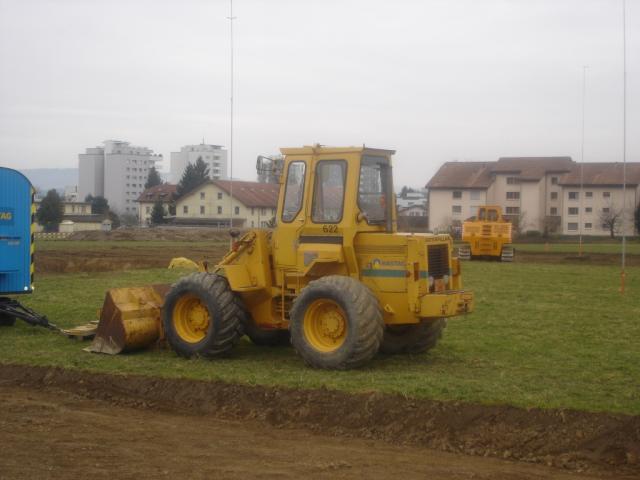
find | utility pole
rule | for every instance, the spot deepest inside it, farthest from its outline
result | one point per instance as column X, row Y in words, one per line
column 624, row 145
column 231, row 18
column 580, row 217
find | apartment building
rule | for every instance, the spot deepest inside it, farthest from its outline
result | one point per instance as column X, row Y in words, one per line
column 537, row 193
column 254, row 204
column 117, row 171
column 213, row 155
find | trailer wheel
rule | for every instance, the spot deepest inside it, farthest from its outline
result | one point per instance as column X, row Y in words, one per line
column 201, row 317
column 7, row 320
column 336, row 323
column 414, row 338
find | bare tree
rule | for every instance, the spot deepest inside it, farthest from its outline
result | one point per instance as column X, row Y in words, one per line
column 550, row 224
column 611, row 218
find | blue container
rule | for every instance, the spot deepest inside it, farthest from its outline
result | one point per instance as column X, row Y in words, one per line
column 17, row 216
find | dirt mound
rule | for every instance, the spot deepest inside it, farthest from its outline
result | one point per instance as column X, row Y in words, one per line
column 157, row 233
column 563, row 438
column 116, row 258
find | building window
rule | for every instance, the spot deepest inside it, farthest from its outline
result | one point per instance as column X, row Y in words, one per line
column 201, row 209
column 185, row 209
column 273, row 211
column 606, row 194
column 219, row 210
column 513, row 211
column 573, row 210
column 554, row 180
column 588, row 194
column 219, row 195
column 474, row 194
column 571, row 226
column 252, row 224
column 456, row 209
column 554, row 195
column 236, row 210
column 201, row 195
column 588, row 209
column 512, row 180
column 252, row 211
column 263, row 211
column 605, row 210
column 553, row 211
column 573, row 195
column 513, row 195
column 457, row 194
column 588, row 226
column 147, row 209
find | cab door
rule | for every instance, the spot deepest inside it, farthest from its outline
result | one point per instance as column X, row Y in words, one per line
column 291, row 212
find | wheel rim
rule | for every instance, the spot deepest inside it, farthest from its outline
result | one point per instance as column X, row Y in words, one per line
column 191, row 318
column 325, row 325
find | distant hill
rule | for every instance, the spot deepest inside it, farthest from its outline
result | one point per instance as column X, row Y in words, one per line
column 48, row 178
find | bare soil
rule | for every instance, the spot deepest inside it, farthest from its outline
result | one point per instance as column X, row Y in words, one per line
column 118, row 257
column 124, row 257
column 68, row 424
column 174, row 234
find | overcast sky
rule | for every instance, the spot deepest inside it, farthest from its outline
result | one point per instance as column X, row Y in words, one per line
column 435, row 80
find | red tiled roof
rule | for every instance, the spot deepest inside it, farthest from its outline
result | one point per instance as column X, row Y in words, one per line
column 163, row 192
column 602, row 173
column 252, row 194
column 532, row 168
column 462, row 175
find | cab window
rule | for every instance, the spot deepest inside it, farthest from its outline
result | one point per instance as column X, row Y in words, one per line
column 328, row 192
column 373, row 188
column 294, row 191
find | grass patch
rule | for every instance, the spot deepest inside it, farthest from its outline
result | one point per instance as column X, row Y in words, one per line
column 615, row 248
column 551, row 336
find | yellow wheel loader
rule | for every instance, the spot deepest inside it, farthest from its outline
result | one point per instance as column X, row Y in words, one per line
column 487, row 236
column 334, row 278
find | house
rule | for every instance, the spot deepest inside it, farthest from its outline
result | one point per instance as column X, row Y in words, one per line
column 536, row 193
column 76, row 217
column 164, row 193
column 254, row 204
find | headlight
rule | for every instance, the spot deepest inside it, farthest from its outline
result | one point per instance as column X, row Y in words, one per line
column 446, row 279
column 431, row 281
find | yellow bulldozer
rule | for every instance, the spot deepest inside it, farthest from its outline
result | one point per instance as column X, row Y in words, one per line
column 487, row 236
column 334, row 278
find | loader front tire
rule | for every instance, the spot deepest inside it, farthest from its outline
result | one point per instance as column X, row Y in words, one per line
column 336, row 323
column 414, row 338
column 201, row 317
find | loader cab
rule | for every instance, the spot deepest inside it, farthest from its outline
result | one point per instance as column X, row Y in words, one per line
column 328, row 195
column 490, row 214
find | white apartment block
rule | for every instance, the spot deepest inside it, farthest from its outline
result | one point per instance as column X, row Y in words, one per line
column 117, row 171
column 213, row 155
column 540, row 192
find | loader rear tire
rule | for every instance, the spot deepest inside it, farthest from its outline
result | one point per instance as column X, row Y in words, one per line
column 201, row 317
column 336, row 323
column 416, row 338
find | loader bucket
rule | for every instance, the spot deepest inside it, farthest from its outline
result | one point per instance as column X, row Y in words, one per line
column 130, row 319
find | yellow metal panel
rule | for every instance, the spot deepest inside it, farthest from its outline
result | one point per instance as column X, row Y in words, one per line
column 448, row 304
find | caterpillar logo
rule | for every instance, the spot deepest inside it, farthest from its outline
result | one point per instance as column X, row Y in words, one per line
column 6, row 215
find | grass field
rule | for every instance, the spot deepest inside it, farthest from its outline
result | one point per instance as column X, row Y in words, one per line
column 542, row 336
column 614, row 248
